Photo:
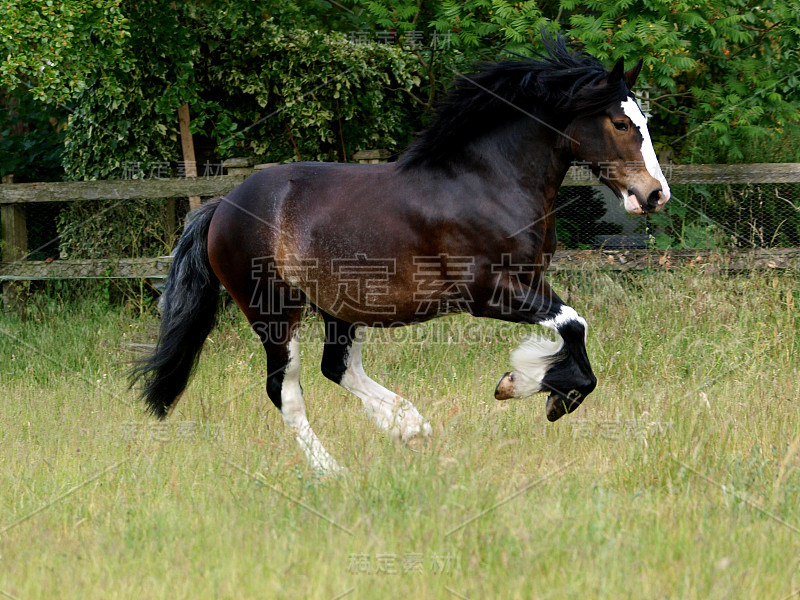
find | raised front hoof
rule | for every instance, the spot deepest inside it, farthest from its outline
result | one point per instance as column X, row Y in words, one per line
column 505, row 387
column 557, row 405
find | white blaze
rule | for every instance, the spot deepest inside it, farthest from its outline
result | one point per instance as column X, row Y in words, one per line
column 631, row 108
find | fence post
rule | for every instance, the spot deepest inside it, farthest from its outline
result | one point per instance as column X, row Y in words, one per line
column 370, row 157
column 187, row 146
column 14, row 242
column 239, row 166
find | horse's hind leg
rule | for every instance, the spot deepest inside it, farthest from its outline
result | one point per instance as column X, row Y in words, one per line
column 341, row 363
column 279, row 338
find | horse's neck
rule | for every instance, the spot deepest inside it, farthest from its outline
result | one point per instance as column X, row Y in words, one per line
column 532, row 156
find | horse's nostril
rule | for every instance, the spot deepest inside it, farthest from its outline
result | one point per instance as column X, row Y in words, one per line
column 654, row 197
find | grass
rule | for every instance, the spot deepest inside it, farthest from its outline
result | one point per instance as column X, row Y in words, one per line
column 678, row 478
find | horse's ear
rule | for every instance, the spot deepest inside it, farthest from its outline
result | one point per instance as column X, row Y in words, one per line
column 618, row 72
column 633, row 74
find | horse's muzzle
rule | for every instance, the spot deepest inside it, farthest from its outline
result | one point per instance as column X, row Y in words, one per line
column 636, row 204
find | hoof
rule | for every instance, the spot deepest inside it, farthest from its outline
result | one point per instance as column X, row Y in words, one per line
column 419, row 440
column 505, row 387
column 557, row 405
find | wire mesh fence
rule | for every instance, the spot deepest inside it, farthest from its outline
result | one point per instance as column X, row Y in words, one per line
column 697, row 216
column 715, row 216
column 708, row 216
column 757, row 215
column 103, row 229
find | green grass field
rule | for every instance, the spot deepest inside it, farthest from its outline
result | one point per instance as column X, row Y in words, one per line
column 677, row 478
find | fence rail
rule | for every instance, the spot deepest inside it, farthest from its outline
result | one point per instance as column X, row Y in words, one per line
column 117, row 189
column 710, row 174
column 13, row 198
column 712, row 261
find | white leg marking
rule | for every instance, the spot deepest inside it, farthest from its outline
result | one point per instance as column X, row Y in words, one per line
column 535, row 355
column 390, row 412
column 564, row 316
column 530, row 361
column 635, row 114
column 293, row 410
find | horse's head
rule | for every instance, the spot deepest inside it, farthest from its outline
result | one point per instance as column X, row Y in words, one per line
column 617, row 145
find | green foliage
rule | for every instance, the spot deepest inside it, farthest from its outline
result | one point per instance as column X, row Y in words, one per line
column 722, row 75
column 31, row 139
column 53, row 47
column 309, row 96
column 254, row 89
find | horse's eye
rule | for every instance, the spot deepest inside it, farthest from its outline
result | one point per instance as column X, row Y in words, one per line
column 621, row 125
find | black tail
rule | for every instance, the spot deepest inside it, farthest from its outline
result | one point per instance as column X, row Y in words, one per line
column 189, row 311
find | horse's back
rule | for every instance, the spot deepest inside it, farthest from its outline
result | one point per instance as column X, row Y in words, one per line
column 347, row 207
column 322, row 226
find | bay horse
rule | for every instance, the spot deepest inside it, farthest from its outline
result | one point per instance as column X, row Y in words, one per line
column 472, row 202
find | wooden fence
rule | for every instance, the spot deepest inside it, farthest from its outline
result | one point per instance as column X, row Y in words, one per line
column 14, row 244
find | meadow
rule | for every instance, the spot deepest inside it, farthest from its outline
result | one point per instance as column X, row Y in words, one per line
column 677, row 478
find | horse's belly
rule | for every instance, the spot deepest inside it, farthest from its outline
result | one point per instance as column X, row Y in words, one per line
column 372, row 291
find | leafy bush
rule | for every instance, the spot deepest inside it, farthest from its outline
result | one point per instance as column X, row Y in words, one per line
column 320, row 87
column 722, row 74
column 31, row 139
column 254, row 90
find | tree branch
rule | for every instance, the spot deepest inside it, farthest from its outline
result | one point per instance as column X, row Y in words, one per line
column 670, row 111
column 657, row 98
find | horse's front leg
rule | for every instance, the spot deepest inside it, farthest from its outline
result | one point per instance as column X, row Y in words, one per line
column 559, row 367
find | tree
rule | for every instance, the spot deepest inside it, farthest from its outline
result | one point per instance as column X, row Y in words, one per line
column 51, row 48
column 723, row 75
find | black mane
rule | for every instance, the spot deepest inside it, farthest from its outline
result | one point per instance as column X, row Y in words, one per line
column 569, row 82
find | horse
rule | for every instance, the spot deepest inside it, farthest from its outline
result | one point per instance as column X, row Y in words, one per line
column 472, row 201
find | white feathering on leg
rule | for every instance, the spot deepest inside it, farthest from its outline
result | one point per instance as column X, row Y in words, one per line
column 530, row 361
column 389, row 411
